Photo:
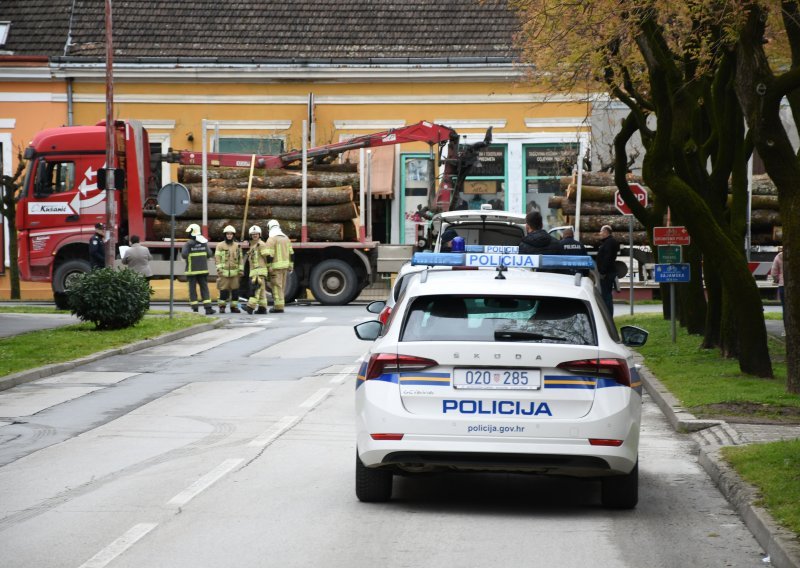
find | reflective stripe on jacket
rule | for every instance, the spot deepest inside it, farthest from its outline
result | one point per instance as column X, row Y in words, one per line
column 229, row 259
column 279, row 247
column 196, row 255
column 257, row 256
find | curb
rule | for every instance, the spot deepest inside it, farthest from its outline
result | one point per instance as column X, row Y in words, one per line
column 778, row 544
column 22, row 377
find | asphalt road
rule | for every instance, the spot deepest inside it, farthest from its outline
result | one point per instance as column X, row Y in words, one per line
column 236, row 448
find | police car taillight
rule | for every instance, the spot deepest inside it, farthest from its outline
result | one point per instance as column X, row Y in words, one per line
column 381, row 363
column 614, row 369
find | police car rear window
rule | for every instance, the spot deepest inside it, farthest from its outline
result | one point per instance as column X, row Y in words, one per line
column 499, row 319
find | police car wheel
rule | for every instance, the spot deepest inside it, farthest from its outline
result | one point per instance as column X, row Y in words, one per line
column 622, row 491
column 373, row 485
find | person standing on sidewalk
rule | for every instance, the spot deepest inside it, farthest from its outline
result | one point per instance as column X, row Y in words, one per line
column 196, row 253
column 97, row 247
column 777, row 277
column 606, row 265
column 230, row 267
column 138, row 258
column 280, row 261
column 257, row 259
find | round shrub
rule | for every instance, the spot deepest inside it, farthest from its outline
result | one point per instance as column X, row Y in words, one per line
column 109, row 298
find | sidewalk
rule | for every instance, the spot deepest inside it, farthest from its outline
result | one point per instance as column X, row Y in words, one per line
column 780, row 546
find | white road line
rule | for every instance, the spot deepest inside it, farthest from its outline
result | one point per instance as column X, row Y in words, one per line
column 315, row 398
column 123, row 543
column 344, row 375
column 311, row 319
column 275, row 431
column 204, row 482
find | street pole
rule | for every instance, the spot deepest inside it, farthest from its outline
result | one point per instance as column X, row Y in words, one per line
column 111, row 202
column 630, row 256
column 672, row 308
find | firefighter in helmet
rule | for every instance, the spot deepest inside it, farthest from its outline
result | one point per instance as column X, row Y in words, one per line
column 257, row 258
column 230, row 267
column 196, row 253
column 280, row 261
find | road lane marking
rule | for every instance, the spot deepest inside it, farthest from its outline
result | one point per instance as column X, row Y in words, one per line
column 311, row 319
column 344, row 375
column 315, row 398
column 123, row 543
column 204, row 482
column 275, row 431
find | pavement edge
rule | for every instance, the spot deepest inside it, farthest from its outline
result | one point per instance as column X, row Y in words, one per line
column 10, row 381
column 778, row 543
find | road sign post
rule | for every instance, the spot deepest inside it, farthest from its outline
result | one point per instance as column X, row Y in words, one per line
column 672, row 273
column 641, row 196
column 173, row 199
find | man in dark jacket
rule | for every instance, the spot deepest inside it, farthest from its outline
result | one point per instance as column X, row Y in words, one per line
column 538, row 241
column 570, row 244
column 97, row 248
column 606, row 265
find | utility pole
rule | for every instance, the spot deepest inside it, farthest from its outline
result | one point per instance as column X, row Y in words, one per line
column 111, row 203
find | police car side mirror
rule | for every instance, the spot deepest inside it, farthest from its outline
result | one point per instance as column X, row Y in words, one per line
column 376, row 307
column 633, row 336
column 369, row 330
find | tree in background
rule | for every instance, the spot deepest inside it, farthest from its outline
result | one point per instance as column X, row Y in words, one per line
column 8, row 208
column 673, row 65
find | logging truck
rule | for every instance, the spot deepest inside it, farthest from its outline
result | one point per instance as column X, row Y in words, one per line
column 61, row 201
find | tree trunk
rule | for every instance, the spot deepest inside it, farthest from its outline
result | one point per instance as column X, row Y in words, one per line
column 590, row 208
column 284, row 196
column 597, row 178
column 318, row 213
column 239, row 177
column 693, row 303
column 617, row 223
column 711, row 338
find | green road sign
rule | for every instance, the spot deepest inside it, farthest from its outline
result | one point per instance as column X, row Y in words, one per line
column 669, row 254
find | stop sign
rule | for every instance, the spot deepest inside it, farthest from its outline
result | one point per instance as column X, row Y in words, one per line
column 638, row 191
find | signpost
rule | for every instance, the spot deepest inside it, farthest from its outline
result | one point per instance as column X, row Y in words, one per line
column 670, row 270
column 173, row 199
column 641, row 196
column 671, row 236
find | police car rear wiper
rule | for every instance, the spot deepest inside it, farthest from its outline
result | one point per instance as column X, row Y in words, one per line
column 523, row 335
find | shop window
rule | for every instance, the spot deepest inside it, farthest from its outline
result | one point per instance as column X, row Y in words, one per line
column 545, row 164
column 488, row 182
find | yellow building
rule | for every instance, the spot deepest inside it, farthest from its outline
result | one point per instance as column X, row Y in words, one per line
column 253, row 75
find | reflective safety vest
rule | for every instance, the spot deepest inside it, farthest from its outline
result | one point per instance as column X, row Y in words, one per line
column 196, row 255
column 279, row 248
column 229, row 259
column 257, row 256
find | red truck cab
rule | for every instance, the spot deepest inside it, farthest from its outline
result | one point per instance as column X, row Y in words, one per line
column 60, row 202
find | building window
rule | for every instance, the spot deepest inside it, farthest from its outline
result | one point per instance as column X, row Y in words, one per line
column 262, row 146
column 4, row 28
column 488, row 182
column 545, row 164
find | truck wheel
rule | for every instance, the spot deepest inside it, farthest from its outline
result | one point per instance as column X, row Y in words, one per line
column 334, row 282
column 292, row 287
column 61, row 276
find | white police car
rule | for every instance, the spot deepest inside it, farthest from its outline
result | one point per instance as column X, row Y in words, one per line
column 499, row 370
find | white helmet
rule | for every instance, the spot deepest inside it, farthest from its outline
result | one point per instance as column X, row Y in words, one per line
column 229, row 229
column 255, row 229
column 273, row 224
column 193, row 229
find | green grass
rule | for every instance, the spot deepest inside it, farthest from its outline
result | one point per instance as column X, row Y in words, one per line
column 699, row 377
column 37, row 348
column 774, row 469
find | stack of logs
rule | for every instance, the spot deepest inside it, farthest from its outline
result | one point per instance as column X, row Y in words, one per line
column 598, row 209
column 332, row 215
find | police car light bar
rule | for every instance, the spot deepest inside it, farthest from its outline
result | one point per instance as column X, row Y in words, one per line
column 493, row 260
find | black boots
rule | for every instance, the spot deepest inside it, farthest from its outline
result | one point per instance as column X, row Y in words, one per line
column 261, row 310
column 235, row 309
column 209, row 310
column 222, row 308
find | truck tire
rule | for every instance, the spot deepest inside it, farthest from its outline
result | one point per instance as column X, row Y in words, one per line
column 292, row 287
column 334, row 282
column 61, row 276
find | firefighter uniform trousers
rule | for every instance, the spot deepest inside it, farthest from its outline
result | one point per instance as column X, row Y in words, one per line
column 257, row 257
column 230, row 266
column 279, row 249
